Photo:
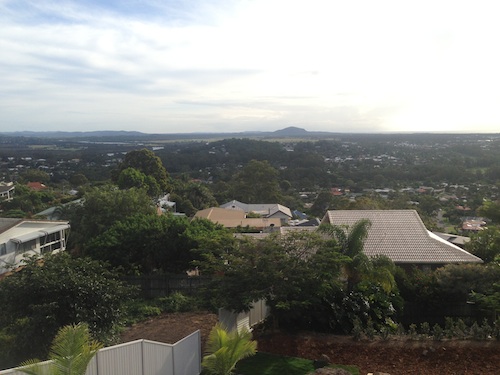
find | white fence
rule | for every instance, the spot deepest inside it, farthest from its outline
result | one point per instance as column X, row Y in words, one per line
column 232, row 320
column 144, row 357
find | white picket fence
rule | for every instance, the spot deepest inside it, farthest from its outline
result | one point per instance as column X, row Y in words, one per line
column 144, row 357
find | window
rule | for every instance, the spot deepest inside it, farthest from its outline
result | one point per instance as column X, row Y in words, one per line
column 28, row 246
column 3, row 249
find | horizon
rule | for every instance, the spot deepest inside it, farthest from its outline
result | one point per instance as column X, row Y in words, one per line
column 217, row 66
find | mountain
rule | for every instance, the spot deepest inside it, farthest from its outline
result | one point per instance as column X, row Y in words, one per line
column 291, row 130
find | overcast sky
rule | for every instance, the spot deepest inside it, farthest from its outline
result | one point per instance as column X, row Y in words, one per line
column 161, row 66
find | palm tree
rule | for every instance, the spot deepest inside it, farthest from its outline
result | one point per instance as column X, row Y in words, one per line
column 224, row 349
column 70, row 353
column 351, row 240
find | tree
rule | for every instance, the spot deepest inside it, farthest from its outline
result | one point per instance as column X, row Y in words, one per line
column 147, row 244
column 147, row 163
column 48, row 294
column 485, row 244
column 257, row 182
column 191, row 197
column 100, row 208
column 322, row 203
column 491, row 210
column 294, row 274
column 70, row 353
column 225, row 349
column 351, row 240
column 36, row 175
column 78, row 179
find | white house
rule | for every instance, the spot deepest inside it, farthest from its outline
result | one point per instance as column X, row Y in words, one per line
column 270, row 211
column 22, row 237
column 7, row 190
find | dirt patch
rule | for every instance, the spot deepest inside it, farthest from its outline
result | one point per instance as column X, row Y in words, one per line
column 170, row 328
column 426, row 357
column 391, row 356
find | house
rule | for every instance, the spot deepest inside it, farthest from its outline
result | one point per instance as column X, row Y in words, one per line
column 455, row 239
column 402, row 236
column 20, row 238
column 36, row 186
column 269, row 211
column 237, row 218
column 7, row 190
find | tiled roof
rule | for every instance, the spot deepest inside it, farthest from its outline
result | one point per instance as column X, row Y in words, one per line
column 401, row 236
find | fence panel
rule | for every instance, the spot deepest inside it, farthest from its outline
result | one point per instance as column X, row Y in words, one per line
column 187, row 355
column 124, row 359
column 232, row 320
column 158, row 358
column 144, row 357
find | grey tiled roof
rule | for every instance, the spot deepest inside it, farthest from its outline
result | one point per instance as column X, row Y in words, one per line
column 402, row 236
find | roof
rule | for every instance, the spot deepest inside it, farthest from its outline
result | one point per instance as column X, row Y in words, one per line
column 401, row 236
column 453, row 238
column 6, row 187
column 19, row 230
column 217, row 213
column 235, row 218
column 36, row 186
column 264, row 209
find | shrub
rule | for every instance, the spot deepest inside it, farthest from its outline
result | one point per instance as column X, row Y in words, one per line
column 177, row 302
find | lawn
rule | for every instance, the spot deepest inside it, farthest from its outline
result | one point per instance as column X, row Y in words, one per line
column 270, row 364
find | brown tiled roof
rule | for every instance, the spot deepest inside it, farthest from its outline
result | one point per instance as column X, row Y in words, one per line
column 401, row 236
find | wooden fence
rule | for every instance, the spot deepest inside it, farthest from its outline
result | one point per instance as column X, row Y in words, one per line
column 152, row 286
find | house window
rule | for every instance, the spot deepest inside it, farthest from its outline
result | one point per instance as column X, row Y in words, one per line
column 28, row 246
column 3, row 249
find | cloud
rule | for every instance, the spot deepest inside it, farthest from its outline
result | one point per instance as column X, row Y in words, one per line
column 360, row 65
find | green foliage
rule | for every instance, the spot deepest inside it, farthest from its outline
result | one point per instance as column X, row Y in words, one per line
column 177, row 302
column 294, row 273
column 42, row 297
column 100, row 209
column 141, row 164
column 367, row 305
column 224, row 349
column 70, row 353
column 485, row 244
column 270, row 364
column 191, row 197
column 147, row 244
column 489, row 301
column 491, row 210
column 35, row 175
column 257, row 182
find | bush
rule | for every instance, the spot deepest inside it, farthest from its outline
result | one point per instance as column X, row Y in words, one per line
column 43, row 297
column 177, row 302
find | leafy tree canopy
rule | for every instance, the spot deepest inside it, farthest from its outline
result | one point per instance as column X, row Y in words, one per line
column 147, row 163
column 148, row 244
column 100, row 208
column 46, row 295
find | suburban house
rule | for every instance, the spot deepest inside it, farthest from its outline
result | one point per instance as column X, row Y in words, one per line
column 455, row 239
column 268, row 211
column 7, row 190
column 36, row 186
column 402, row 236
column 238, row 218
column 21, row 237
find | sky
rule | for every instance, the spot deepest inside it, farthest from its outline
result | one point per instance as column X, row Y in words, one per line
column 162, row 66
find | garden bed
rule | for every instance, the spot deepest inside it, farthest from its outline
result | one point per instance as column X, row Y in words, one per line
column 396, row 356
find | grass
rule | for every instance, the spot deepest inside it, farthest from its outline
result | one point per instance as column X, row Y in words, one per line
column 270, row 364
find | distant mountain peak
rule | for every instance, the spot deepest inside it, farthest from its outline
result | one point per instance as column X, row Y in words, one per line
column 291, row 130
